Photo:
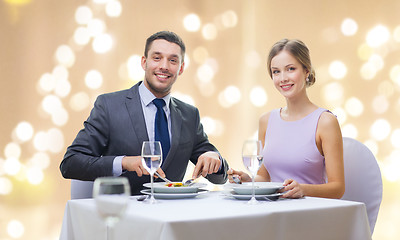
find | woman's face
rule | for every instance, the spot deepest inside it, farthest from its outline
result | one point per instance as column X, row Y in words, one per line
column 288, row 74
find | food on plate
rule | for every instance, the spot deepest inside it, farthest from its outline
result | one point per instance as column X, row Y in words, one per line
column 177, row 184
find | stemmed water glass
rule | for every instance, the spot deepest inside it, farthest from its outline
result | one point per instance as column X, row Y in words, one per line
column 252, row 160
column 111, row 195
column 151, row 160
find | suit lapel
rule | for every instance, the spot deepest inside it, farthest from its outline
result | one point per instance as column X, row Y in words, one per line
column 135, row 110
column 176, row 123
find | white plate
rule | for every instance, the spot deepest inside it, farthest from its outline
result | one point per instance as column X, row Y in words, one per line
column 260, row 188
column 160, row 187
column 272, row 197
column 174, row 195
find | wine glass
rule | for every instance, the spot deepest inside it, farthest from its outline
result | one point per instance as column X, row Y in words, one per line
column 252, row 160
column 111, row 195
column 151, row 160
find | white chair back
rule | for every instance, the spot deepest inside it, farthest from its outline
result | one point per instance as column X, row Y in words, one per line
column 81, row 189
column 363, row 178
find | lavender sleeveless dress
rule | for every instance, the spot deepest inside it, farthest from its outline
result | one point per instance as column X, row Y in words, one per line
column 290, row 149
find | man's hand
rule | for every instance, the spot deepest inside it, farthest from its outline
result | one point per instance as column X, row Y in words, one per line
column 134, row 164
column 207, row 163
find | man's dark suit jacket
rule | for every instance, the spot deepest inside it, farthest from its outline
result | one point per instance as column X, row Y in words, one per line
column 116, row 127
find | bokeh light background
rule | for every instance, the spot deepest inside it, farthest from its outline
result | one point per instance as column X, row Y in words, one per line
column 57, row 56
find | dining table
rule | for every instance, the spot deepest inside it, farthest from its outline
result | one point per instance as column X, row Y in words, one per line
column 216, row 214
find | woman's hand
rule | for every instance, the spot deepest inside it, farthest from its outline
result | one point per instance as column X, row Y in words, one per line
column 293, row 189
column 243, row 177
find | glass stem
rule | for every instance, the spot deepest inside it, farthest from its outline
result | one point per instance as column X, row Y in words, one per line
column 109, row 232
column 253, row 192
column 152, row 189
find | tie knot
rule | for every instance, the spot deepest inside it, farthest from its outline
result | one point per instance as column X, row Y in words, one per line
column 159, row 102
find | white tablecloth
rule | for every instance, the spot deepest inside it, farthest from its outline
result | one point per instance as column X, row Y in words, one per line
column 216, row 216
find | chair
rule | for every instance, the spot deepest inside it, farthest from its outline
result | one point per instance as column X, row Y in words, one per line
column 362, row 178
column 81, row 189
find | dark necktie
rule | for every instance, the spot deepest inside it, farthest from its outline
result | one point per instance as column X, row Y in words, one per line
column 161, row 127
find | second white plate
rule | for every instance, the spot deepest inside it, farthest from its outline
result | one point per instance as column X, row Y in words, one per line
column 173, row 195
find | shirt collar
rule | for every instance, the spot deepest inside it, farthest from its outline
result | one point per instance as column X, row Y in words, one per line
column 148, row 97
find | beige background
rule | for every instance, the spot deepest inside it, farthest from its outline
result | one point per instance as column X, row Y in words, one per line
column 33, row 193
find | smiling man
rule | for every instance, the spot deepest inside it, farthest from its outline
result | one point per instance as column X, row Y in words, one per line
column 111, row 140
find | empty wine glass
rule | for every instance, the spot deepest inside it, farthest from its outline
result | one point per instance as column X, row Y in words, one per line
column 252, row 160
column 111, row 195
column 151, row 160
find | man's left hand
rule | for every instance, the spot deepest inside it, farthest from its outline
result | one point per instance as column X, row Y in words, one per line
column 207, row 163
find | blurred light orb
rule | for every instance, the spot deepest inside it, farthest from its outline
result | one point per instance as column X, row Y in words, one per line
column 373, row 146
column 396, row 34
column 63, row 88
column 135, row 70
column 12, row 150
column 354, row 107
column 60, row 73
column 51, row 103
column 47, row 82
column 200, row 54
column 212, row 126
column 101, row 1
column 65, row 56
column 230, row 96
column 380, row 104
column 368, row 71
column 93, row 79
column 40, row 160
column 209, row 31
column 83, row 15
column 395, row 138
column 349, row 130
column 205, row 73
column 392, row 166
column 395, row 74
column 229, row 19
column 377, row 61
column 377, row 36
column 34, row 175
column 337, row 69
column 12, row 166
column 333, row 92
column 113, row 8
column 341, row 115
column 349, row 27
column 15, row 229
column 81, row 36
column 192, row 22
column 55, row 139
column 79, row 101
column 380, row 129
column 5, row 186
column 96, row 27
column 206, row 89
column 253, row 59
column 184, row 97
column 40, row 141
column 258, row 96
column 60, row 117
column 364, row 52
column 52, row 140
column 102, row 43
column 24, row 131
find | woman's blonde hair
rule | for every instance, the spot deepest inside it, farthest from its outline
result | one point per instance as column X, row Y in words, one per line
column 299, row 51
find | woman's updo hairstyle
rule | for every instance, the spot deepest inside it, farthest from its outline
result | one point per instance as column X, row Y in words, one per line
column 299, row 51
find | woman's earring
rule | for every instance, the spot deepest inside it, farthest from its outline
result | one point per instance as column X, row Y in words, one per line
column 307, row 79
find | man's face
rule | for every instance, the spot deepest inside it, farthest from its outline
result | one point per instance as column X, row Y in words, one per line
column 162, row 66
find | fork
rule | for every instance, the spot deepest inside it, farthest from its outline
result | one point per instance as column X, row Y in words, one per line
column 163, row 178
